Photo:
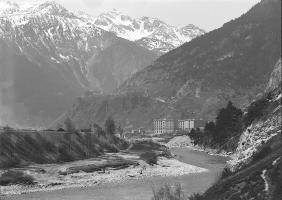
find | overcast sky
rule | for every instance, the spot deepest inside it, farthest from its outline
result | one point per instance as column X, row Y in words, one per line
column 207, row 14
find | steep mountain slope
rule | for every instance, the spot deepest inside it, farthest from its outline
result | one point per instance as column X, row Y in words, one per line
column 230, row 63
column 150, row 33
column 255, row 170
column 129, row 111
column 117, row 63
column 61, row 52
column 32, row 94
column 275, row 78
column 233, row 63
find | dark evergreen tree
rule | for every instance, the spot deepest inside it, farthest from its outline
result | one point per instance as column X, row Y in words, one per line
column 255, row 111
column 228, row 122
column 210, row 129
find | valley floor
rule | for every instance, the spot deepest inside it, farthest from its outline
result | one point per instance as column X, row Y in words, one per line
column 196, row 171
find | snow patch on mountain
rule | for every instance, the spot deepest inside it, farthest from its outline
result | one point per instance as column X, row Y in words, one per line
column 47, row 29
column 151, row 33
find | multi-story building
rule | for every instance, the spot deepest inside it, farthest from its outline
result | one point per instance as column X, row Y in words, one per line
column 164, row 126
column 172, row 125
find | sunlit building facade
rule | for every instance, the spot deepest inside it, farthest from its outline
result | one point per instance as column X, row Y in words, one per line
column 164, row 126
column 172, row 125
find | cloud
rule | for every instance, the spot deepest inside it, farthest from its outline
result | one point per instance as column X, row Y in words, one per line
column 93, row 3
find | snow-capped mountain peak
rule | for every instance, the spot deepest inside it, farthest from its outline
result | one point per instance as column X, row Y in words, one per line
column 31, row 7
column 7, row 7
column 149, row 32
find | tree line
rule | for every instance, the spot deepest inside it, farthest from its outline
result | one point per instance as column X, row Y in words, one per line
column 228, row 125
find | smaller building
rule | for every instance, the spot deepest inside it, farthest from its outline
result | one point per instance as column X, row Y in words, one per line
column 200, row 123
column 186, row 124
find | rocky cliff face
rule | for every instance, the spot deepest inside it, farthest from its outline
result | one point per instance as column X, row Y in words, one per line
column 50, row 56
column 263, row 129
column 255, row 169
column 275, row 78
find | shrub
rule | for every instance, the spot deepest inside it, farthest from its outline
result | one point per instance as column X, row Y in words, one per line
column 166, row 153
column 107, row 143
column 10, row 163
column 65, row 155
column 262, row 153
column 149, row 157
column 167, row 192
column 255, row 111
column 15, row 177
column 225, row 173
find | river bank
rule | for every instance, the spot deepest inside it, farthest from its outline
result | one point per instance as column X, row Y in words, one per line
column 185, row 142
column 196, row 171
column 62, row 176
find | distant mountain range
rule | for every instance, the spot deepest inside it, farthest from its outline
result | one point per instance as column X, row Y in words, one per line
column 150, row 33
column 233, row 63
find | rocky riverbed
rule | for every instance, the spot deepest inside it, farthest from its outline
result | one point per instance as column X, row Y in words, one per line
column 109, row 168
column 196, row 171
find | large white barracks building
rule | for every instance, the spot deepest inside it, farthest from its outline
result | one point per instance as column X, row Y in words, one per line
column 172, row 125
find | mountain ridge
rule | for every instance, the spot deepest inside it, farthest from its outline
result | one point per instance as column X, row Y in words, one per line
column 149, row 32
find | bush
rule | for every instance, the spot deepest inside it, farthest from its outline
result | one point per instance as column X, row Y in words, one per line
column 10, row 163
column 15, row 177
column 107, row 143
column 149, row 157
column 255, row 111
column 167, row 192
column 225, row 173
column 65, row 155
column 166, row 153
column 262, row 153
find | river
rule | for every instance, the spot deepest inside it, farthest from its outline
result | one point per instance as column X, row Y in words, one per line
column 142, row 189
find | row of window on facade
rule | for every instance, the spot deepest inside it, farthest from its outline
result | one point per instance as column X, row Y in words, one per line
column 172, row 125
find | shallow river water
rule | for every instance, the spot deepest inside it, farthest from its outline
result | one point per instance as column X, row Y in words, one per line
column 142, row 189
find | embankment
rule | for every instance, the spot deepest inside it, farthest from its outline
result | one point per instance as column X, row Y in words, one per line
column 20, row 148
